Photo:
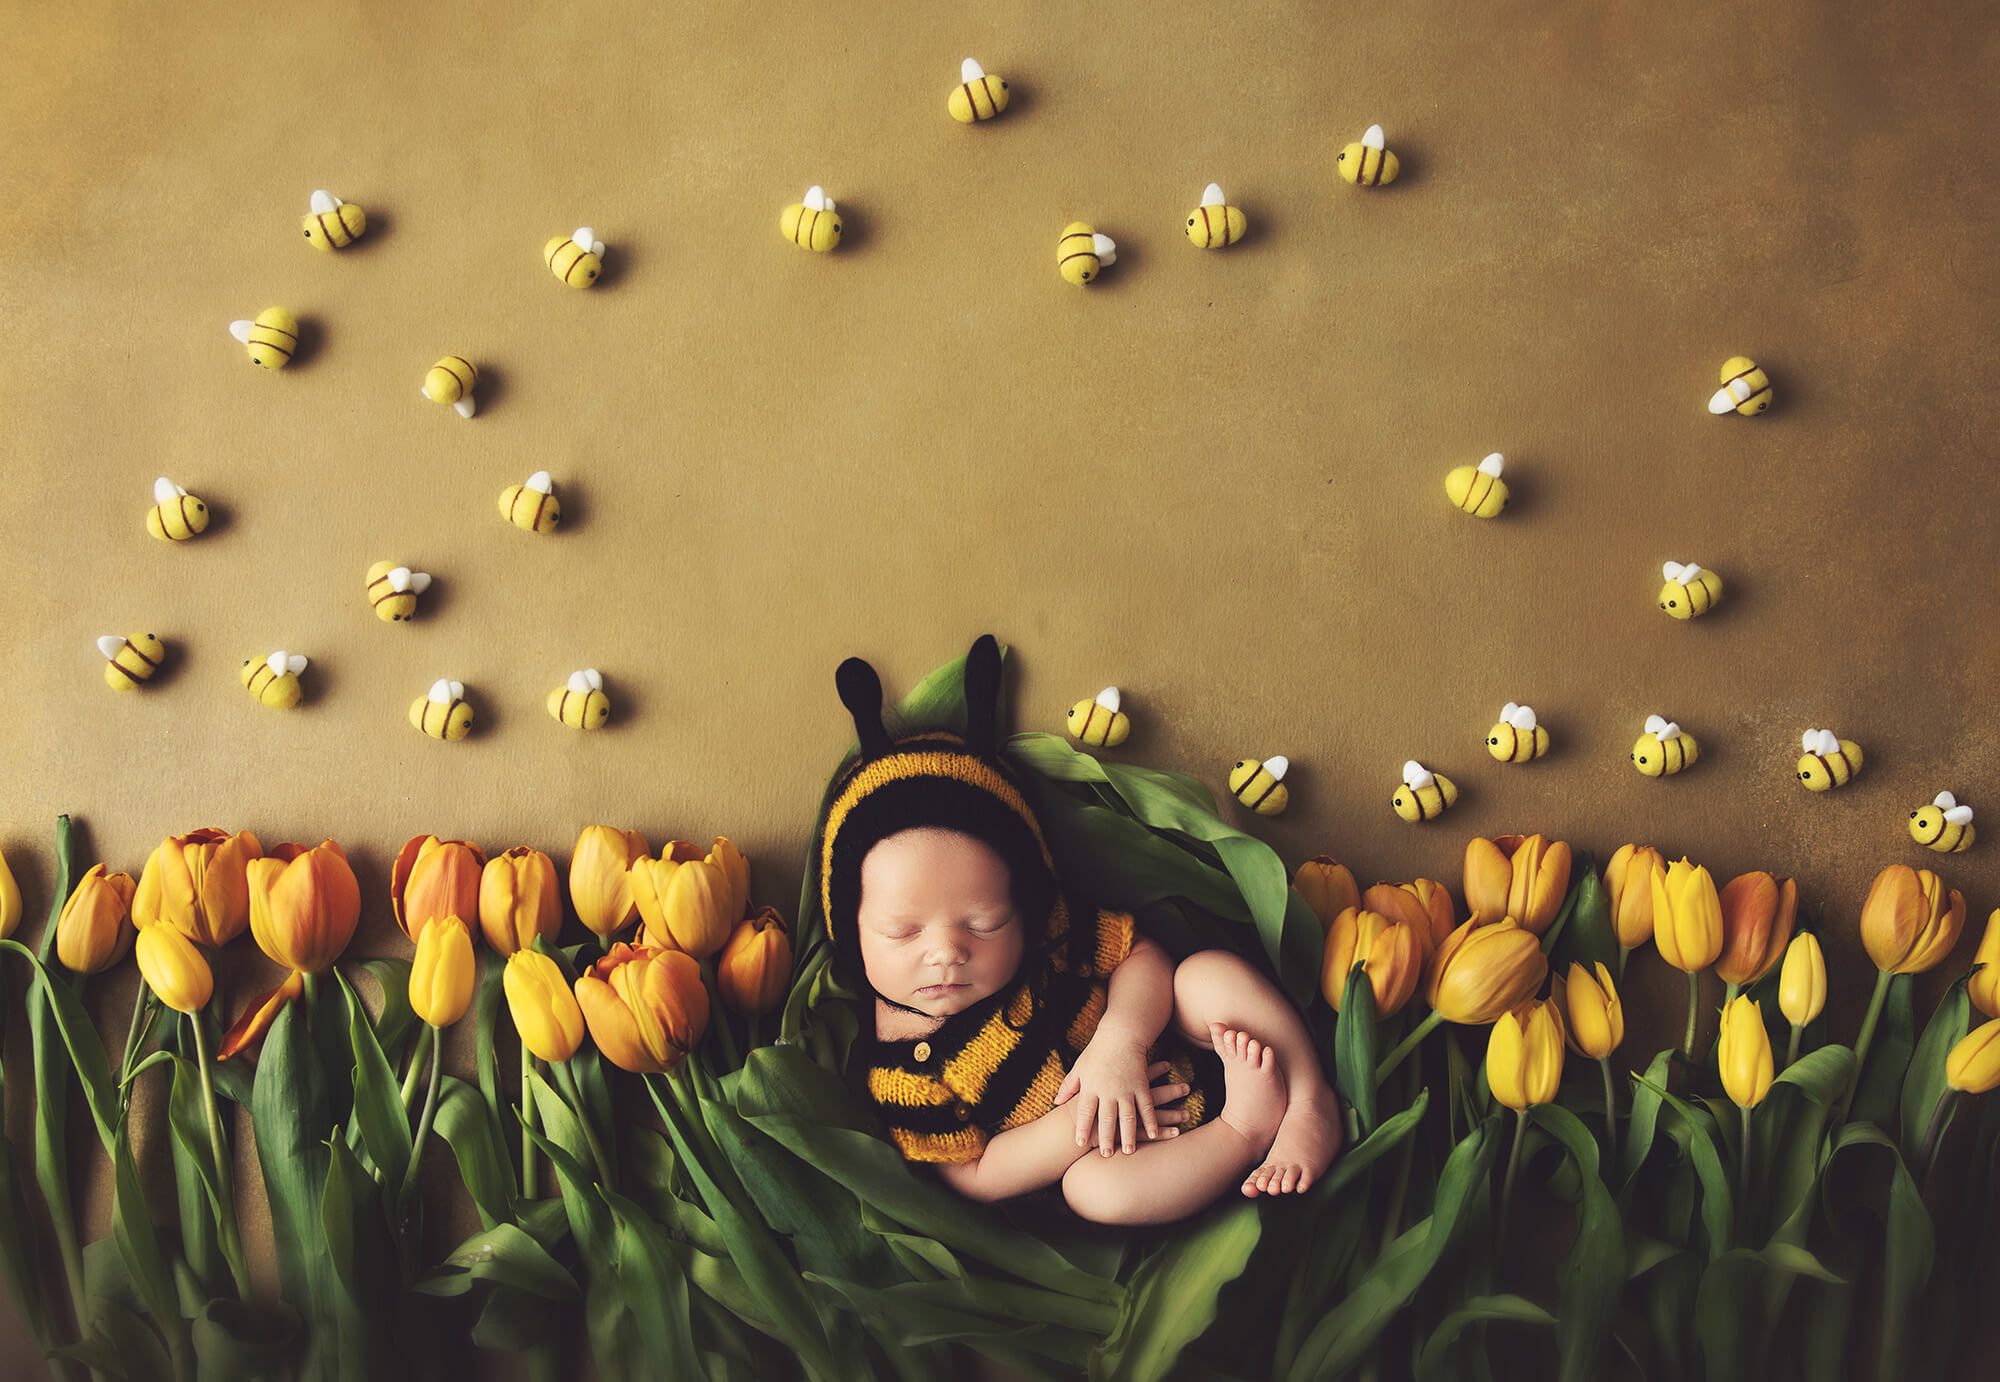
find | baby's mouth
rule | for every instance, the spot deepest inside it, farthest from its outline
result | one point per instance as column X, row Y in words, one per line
column 940, row 990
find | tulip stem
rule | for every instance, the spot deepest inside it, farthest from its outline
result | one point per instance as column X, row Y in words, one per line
column 572, row 1091
column 1743, row 1172
column 425, row 1119
column 1624, row 954
column 1694, row 1007
column 413, row 1074
column 225, row 1181
column 1507, row 1184
column 719, row 1019
column 1407, row 1045
column 132, row 1035
column 1792, row 1046
column 1610, row 1116
column 529, row 1180
column 1934, row 1134
column 1865, row 1040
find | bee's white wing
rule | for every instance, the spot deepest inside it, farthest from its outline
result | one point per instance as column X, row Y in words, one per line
column 241, row 330
column 458, row 690
column 970, row 71
column 1275, row 765
column 323, row 202
column 578, row 683
column 440, row 692
column 1492, row 464
column 276, row 662
column 1372, row 138
column 295, row 663
column 1944, row 799
column 1212, row 195
column 1109, row 699
column 420, row 581
column 1656, row 725
column 540, row 483
column 1105, row 248
column 1958, row 815
column 1521, row 718
column 165, row 491
column 585, row 239
column 110, row 645
column 1416, row 776
column 398, row 579
column 594, row 677
column 815, row 198
column 1673, row 571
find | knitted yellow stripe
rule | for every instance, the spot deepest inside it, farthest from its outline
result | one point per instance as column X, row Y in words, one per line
column 902, row 1089
column 1040, row 1095
column 967, row 1144
column 971, row 1068
column 1087, row 1017
column 1114, row 940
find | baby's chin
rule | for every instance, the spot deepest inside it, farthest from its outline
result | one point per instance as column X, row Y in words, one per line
column 946, row 1004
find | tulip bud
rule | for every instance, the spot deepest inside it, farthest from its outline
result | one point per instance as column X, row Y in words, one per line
column 441, row 975
column 1910, row 920
column 1399, row 905
column 518, row 900
column 1481, row 971
column 1328, row 887
column 754, row 970
column 684, row 897
column 304, row 904
column 173, row 968
column 1524, row 1056
column 434, row 878
column 1687, row 917
column 1438, row 907
column 545, row 1012
column 1743, row 1051
column 646, row 1008
column 1984, row 986
column 1757, row 915
column 92, row 930
column 10, row 900
column 600, row 878
column 1389, row 952
column 1628, row 879
column 1802, row 981
column 1973, row 1067
column 1592, row 1013
column 198, row 884
column 1520, row 876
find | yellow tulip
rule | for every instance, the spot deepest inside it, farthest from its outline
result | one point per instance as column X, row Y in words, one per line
column 1397, row 904
column 1481, row 971
column 1973, row 1067
column 1327, row 886
column 600, row 878
column 197, row 883
column 1757, row 915
column 754, row 970
column 1910, row 920
column 1593, row 1016
column 646, row 1008
column 545, row 1012
column 1628, row 879
column 1687, row 917
column 1524, row 1056
column 1389, row 953
column 1438, row 907
column 518, row 900
column 1520, row 876
column 441, row 975
column 1743, row 1051
column 10, row 900
column 434, row 878
column 684, row 897
column 732, row 861
column 304, row 904
column 1802, row 981
column 173, row 968
column 1984, row 986
column 92, row 929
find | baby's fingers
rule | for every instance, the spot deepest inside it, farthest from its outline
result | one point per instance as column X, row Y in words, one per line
column 1086, row 1114
column 1147, row 1116
column 1069, row 1087
column 1128, row 1122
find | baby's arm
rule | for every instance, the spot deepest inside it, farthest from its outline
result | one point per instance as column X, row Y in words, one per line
column 1109, row 1074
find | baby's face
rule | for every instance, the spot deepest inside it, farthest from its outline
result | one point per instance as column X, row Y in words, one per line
column 937, row 923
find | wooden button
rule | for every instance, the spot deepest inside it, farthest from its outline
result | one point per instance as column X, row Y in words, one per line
column 1084, row 969
column 963, row 1113
column 923, row 1051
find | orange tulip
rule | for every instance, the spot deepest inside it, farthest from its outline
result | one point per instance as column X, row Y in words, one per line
column 1438, row 906
column 1911, row 920
column 600, row 878
column 518, row 901
column 754, row 970
column 173, row 968
column 441, row 975
column 685, row 896
column 1327, row 886
column 1398, row 904
column 544, row 1010
column 1520, row 876
column 1757, row 915
column 91, row 930
column 1389, row 953
column 1481, row 971
column 646, row 1008
column 304, row 904
column 1628, row 880
column 434, row 878
column 197, row 883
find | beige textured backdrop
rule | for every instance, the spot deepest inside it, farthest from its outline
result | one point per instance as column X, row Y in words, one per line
column 1214, row 479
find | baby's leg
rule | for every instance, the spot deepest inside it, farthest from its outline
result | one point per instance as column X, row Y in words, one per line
column 1217, row 987
column 1175, row 1176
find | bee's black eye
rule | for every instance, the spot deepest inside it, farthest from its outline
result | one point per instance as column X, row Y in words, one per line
column 1673, row 604
column 308, row 235
column 1642, row 758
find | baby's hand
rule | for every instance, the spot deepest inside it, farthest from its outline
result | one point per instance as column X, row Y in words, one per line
column 1112, row 1085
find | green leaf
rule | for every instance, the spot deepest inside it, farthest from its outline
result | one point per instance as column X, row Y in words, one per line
column 588, row 1219
column 655, row 1286
column 235, row 1338
column 1889, row 1057
column 378, row 1098
column 486, row 1018
column 462, row 1122
column 1435, row 1364
column 1822, row 1075
column 398, row 1020
column 1925, row 1084
column 194, row 1170
column 86, row 1052
column 1591, row 1275
column 1696, row 1132
column 359, row 1255
column 1647, row 1096
column 139, row 1246
column 1174, row 1292
column 506, row 1256
column 291, row 1122
column 1354, row 1049
column 1590, row 939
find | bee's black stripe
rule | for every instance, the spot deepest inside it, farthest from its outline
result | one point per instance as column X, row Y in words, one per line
column 180, row 505
column 130, row 675
column 140, row 653
column 574, row 262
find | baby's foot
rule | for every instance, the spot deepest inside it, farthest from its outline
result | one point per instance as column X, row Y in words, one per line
column 1253, row 1091
column 1302, row 1150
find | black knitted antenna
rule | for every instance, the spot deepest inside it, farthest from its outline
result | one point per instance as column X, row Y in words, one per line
column 982, row 696
column 861, row 692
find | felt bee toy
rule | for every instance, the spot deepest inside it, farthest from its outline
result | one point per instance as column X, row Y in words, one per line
column 977, row 96
column 274, row 680
column 1216, row 224
column 1365, row 163
column 580, row 702
column 131, row 660
column 1099, row 721
column 1828, row 761
column 176, row 515
column 393, row 591
column 577, row 259
column 811, row 223
column 1478, row 489
column 271, row 339
column 1663, row 750
column 442, row 712
column 1746, row 389
column 1944, row 825
column 1261, row 786
column 1517, row 738
column 1689, row 590
column 332, row 224
column 1082, row 254
column 450, row 381
column 1424, row 795
column 532, row 506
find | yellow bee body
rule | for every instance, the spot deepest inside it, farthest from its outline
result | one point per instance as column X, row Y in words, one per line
column 1478, row 489
column 271, row 340
column 442, row 712
column 1689, row 590
column 1365, row 163
column 1082, row 254
column 131, row 660
column 1216, row 224
column 450, row 381
column 532, row 506
column 1663, row 749
column 977, row 96
column 580, row 702
column 393, row 591
column 1828, row 761
column 1098, row 721
column 1261, row 786
column 1945, row 825
column 176, row 515
column 576, row 259
column 1517, row 738
column 1746, row 389
column 1424, row 795
column 274, row 680
column 811, row 223
column 332, row 224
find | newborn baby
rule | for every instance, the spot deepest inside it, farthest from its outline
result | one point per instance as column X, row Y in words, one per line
column 1024, row 1037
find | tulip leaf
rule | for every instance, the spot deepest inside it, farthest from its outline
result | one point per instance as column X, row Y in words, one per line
column 291, row 1120
column 139, row 1245
column 360, row 1258
column 1925, row 1083
column 461, row 1121
column 378, row 1099
column 194, row 1170
column 1354, row 1048
column 1821, row 1075
column 1895, row 1038
column 398, row 1020
column 1172, row 1297
column 589, row 1221
column 506, row 1256
column 234, row 1338
column 1695, row 1131
column 1591, row 1275
column 79, row 1037
column 1647, row 1095
column 1590, row 939
column 486, row 1018
column 1436, row 1363
column 655, row 1288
